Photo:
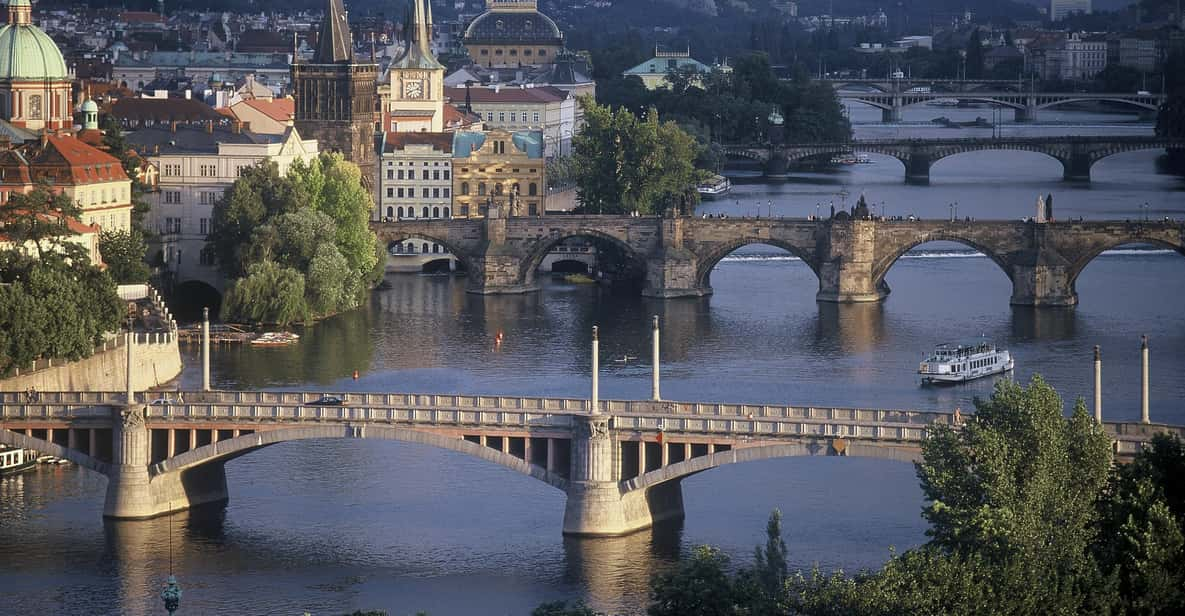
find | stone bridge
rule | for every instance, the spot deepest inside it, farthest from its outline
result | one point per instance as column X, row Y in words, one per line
column 1076, row 154
column 619, row 466
column 849, row 257
column 1025, row 104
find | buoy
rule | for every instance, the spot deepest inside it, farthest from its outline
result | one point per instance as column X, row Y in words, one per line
column 355, row 375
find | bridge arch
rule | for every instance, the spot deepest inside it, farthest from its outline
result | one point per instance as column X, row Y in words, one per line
column 392, row 236
column 707, row 262
column 222, row 451
column 23, row 441
column 544, row 245
column 686, row 468
column 1079, row 264
column 883, row 264
column 1125, row 101
column 945, row 153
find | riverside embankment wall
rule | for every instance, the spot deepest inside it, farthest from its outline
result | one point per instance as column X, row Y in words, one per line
column 156, row 360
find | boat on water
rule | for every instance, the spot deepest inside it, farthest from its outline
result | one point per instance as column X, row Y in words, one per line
column 943, row 102
column 959, row 363
column 16, row 460
column 714, row 187
column 851, row 159
column 271, row 339
column 578, row 279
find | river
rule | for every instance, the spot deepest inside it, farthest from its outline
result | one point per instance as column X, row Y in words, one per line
column 333, row 526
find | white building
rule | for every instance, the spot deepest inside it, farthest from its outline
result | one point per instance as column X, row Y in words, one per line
column 196, row 166
column 415, row 176
column 547, row 109
column 1074, row 58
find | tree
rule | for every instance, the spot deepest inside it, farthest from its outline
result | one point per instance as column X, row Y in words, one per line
column 700, row 585
column 626, row 164
column 561, row 608
column 39, row 217
column 123, row 253
column 1015, row 489
column 269, row 293
column 973, row 69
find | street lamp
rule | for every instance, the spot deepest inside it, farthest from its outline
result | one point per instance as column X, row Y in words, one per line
column 769, row 208
column 816, row 210
column 952, row 211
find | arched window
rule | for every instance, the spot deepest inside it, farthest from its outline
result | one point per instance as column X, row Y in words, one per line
column 498, row 188
column 399, row 248
column 35, row 107
column 435, row 248
column 436, row 212
column 533, row 189
column 390, row 211
column 446, row 214
column 464, row 188
column 481, row 189
column 425, row 211
column 424, row 248
column 400, row 210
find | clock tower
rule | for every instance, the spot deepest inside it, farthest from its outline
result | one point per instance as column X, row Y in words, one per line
column 417, row 78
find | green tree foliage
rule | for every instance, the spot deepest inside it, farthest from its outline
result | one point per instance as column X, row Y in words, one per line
column 700, row 585
column 308, row 227
column 974, row 55
column 55, row 306
column 39, row 218
column 562, row 608
column 123, row 253
column 625, row 163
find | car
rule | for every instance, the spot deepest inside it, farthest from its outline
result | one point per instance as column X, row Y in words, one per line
column 326, row 401
column 160, row 402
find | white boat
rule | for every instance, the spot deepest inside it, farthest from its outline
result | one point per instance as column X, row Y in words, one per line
column 16, row 460
column 958, row 363
column 715, row 186
column 943, row 102
column 275, row 339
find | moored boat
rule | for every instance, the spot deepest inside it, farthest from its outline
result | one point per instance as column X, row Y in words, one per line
column 715, row 186
column 16, row 460
column 275, row 339
column 958, row 363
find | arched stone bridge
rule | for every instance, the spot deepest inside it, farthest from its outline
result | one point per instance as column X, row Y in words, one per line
column 1076, row 154
column 620, row 468
column 850, row 257
column 1025, row 104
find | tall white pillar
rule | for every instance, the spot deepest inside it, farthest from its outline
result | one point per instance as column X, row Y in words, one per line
column 1098, row 385
column 131, row 338
column 205, row 349
column 595, row 404
column 654, row 388
column 1144, row 379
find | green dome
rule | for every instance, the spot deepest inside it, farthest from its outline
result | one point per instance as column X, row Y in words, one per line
column 27, row 53
column 90, row 106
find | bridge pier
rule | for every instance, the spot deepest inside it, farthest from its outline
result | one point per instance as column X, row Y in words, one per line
column 597, row 505
column 917, row 168
column 846, row 270
column 672, row 270
column 892, row 114
column 1076, row 168
column 1042, row 285
column 133, row 493
column 1025, row 114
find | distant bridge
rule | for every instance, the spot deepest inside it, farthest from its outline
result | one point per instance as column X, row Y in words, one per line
column 893, row 95
column 620, row 465
column 1076, row 154
column 850, row 257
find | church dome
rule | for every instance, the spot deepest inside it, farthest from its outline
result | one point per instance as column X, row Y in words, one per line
column 513, row 28
column 27, row 53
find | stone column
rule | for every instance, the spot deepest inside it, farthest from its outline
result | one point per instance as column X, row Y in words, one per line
column 205, row 349
column 131, row 393
column 128, row 493
column 655, row 393
column 1041, row 276
column 846, row 271
column 1144, row 418
column 594, row 405
column 596, row 504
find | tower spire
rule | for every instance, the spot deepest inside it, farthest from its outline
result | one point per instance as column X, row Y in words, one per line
column 334, row 43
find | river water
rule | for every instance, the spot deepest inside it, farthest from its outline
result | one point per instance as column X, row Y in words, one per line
column 333, row 526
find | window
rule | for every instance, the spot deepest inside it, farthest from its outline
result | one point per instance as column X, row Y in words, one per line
column 206, row 256
column 485, row 52
column 481, row 189
column 464, row 188
column 390, row 192
column 513, row 117
column 390, row 211
column 526, row 52
column 465, row 211
column 401, row 174
column 436, row 212
column 532, row 189
column 205, row 224
column 171, row 197
column 424, row 193
column 446, row 213
column 445, row 194
column 498, row 188
column 514, row 52
column 424, row 248
column 425, row 215
column 400, row 192
column 425, row 173
column 391, row 174
column 446, row 174
column 35, row 107
column 489, row 116
column 535, row 117
column 543, row 52
column 436, row 174
column 501, row 116
column 435, row 193
column 400, row 210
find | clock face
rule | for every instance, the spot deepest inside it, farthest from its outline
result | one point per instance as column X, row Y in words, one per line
column 413, row 89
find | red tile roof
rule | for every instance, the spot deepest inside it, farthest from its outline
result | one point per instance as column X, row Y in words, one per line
column 86, row 164
column 280, row 109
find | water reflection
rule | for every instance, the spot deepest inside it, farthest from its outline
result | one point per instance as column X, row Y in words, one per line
column 1031, row 323
column 616, row 571
column 850, row 328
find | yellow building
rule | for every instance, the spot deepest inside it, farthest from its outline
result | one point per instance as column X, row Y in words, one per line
column 513, row 33
column 498, row 169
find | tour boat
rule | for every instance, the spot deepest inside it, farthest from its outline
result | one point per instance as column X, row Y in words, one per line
column 851, row 159
column 715, row 186
column 16, row 460
column 958, row 363
column 943, row 102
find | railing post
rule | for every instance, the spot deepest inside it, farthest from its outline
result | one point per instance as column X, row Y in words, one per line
column 594, row 404
column 131, row 390
column 1098, row 385
column 205, row 349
